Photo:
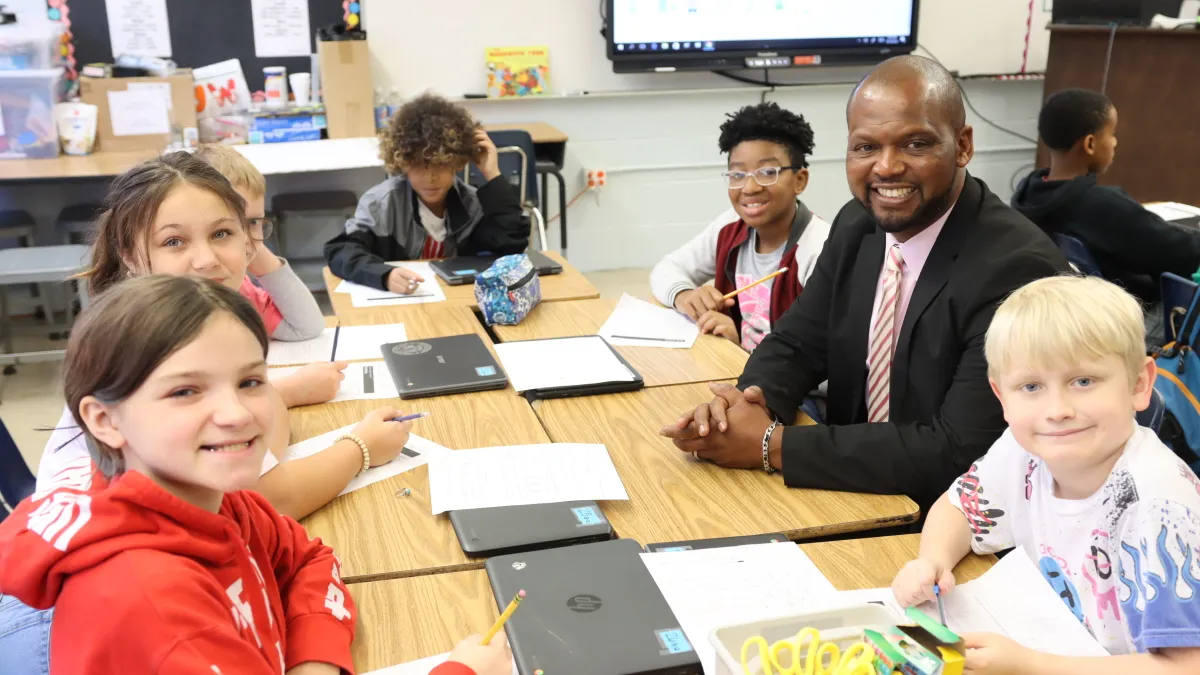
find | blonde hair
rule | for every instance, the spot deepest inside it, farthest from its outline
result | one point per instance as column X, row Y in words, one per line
column 1065, row 319
column 238, row 170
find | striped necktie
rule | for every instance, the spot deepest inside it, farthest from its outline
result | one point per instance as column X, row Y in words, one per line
column 883, row 334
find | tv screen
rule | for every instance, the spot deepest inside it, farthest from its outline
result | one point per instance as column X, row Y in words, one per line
column 665, row 35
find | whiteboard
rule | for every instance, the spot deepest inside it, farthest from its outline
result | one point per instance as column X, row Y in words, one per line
column 439, row 46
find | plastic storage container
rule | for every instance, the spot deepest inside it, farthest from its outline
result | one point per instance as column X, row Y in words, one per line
column 29, row 47
column 27, row 99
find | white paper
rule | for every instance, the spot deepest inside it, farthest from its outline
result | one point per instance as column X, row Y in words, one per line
column 366, row 380
column 662, row 327
column 163, row 89
column 139, row 28
column 421, row 667
column 523, row 474
column 1173, row 210
column 281, row 28
column 715, row 587
column 561, row 362
column 417, row 452
column 354, row 343
column 427, row 291
column 138, row 112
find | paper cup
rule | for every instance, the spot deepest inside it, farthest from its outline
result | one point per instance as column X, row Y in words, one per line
column 301, row 87
column 76, row 124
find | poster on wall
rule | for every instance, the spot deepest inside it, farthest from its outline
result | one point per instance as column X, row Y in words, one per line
column 139, row 28
column 281, row 28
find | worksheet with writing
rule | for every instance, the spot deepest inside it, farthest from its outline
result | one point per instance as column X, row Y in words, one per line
column 561, row 362
column 354, row 343
column 365, row 380
column 417, row 451
column 523, row 474
column 715, row 587
column 637, row 323
column 426, row 291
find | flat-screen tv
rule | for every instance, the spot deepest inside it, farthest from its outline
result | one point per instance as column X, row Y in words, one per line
column 668, row 35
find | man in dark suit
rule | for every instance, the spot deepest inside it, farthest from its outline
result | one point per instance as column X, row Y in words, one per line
column 894, row 316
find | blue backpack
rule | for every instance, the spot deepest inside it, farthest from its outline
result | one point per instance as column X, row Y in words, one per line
column 1178, row 383
column 508, row 290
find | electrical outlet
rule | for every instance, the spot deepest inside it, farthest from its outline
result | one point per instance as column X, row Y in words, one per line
column 596, row 178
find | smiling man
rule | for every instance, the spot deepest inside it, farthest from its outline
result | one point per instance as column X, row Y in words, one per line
column 894, row 315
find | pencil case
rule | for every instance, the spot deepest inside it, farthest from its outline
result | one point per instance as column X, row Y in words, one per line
column 508, row 290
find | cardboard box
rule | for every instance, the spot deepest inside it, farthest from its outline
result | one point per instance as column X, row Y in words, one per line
column 182, row 112
column 347, row 92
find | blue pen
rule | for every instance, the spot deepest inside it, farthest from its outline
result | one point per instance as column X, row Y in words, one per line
column 406, row 418
column 937, row 592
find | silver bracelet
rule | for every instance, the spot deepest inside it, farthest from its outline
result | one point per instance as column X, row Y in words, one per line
column 766, row 447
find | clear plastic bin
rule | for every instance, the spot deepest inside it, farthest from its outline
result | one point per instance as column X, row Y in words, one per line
column 27, row 99
column 843, row 626
column 34, row 47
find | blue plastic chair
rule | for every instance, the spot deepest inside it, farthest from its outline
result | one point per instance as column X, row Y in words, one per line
column 1077, row 254
column 16, row 481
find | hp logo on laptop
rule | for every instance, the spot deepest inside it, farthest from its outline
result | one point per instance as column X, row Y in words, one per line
column 518, row 566
column 411, row 348
column 584, row 604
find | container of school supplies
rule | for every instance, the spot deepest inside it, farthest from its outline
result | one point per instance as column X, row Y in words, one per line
column 29, row 47
column 275, row 86
column 842, row 626
column 27, row 128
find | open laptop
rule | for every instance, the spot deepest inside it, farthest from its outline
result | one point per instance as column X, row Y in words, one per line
column 607, row 614
column 511, row 529
column 462, row 270
column 445, row 365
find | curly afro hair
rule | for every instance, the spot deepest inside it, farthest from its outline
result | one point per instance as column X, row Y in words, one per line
column 769, row 122
column 1071, row 114
column 428, row 131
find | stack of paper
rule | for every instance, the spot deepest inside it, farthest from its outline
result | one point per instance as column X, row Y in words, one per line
column 417, row 452
column 715, row 587
column 1173, row 210
column 427, row 291
column 354, row 343
column 561, row 362
column 522, row 474
column 637, row 323
column 421, row 667
column 365, row 380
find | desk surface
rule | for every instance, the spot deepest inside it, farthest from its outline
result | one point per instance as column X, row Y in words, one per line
column 711, row 358
column 403, row 620
column 96, row 165
column 540, row 132
column 569, row 285
column 675, row 497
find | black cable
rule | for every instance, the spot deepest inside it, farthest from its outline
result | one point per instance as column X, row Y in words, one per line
column 743, row 80
column 967, row 100
column 767, row 79
column 1112, row 37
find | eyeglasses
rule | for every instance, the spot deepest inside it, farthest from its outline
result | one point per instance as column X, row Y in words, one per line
column 261, row 228
column 768, row 175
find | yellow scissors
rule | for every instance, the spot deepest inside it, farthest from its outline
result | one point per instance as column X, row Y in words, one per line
column 821, row 659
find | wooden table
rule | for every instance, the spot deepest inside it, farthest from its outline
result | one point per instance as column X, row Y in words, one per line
column 96, row 165
column 569, row 285
column 403, row 620
column 540, row 132
column 675, row 497
column 711, row 358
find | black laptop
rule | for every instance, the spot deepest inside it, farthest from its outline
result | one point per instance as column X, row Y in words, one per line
column 721, row 542
column 462, row 270
column 592, row 609
column 446, row 365
column 512, row 529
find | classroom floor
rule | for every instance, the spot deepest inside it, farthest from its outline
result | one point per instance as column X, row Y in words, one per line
column 31, row 400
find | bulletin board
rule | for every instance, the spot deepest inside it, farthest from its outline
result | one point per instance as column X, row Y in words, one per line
column 203, row 32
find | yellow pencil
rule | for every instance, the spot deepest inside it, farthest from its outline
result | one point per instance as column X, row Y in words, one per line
column 508, row 611
column 770, row 276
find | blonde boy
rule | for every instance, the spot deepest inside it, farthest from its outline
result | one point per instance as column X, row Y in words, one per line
column 1110, row 513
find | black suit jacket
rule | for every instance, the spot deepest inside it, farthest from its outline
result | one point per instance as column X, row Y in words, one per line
column 943, row 413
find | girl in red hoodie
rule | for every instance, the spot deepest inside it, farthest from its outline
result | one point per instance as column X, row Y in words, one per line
column 161, row 561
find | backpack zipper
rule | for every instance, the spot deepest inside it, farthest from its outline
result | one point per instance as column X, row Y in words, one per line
column 523, row 280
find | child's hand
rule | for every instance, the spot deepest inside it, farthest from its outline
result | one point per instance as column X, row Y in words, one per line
column 914, row 584
column 486, row 159
column 697, row 301
column 996, row 655
column 718, row 324
column 311, row 384
column 262, row 260
column 403, row 281
column 384, row 438
column 494, row 659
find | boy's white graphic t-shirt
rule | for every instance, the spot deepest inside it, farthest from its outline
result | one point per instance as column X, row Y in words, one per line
column 1125, row 560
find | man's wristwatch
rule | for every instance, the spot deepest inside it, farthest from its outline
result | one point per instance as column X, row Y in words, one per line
column 766, row 447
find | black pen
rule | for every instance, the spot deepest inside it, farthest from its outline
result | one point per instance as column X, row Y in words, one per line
column 336, row 332
column 652, row 339
column 401, row 297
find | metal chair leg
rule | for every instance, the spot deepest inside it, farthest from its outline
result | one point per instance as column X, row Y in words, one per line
column 562, row 210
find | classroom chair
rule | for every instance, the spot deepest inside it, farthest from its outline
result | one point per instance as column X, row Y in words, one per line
column 16, row 481
column 37, row 265
column 19, row 225
column 516, row 150
column 332, row 204
column 1077, row 254
column 76, row 223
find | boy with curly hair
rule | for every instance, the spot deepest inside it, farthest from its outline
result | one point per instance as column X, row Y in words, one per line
column 768, row 228
column 425, row 209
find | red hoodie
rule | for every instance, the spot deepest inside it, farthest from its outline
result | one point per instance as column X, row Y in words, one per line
column 144, row 582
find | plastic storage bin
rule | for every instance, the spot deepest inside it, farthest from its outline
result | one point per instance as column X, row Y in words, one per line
column 32, row 47
column 27, row 99
column 843, row 626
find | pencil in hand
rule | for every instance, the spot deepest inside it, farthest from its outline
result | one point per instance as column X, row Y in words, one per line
column 769, row 277
column 508, row 612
